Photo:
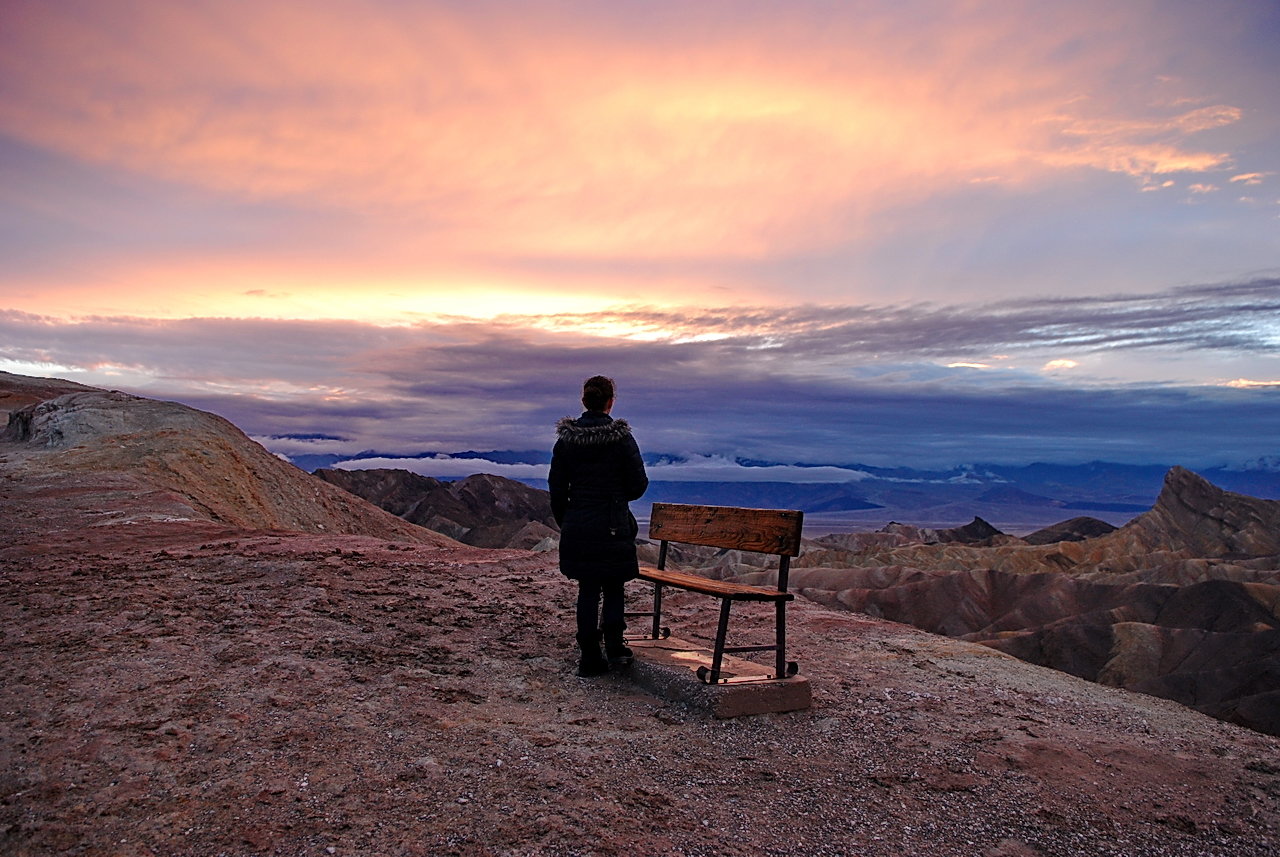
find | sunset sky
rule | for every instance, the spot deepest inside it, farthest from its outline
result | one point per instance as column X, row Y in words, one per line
column 920, row 233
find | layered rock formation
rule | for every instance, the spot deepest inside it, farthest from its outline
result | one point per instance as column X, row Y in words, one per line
column 481, row 510
column 1197, row 519
column 976, row 532
column 1195, row 531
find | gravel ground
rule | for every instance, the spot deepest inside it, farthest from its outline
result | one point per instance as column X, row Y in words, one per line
column 172, row 690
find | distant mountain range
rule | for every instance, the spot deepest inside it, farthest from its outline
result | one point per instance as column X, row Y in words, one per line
column 1016, row 498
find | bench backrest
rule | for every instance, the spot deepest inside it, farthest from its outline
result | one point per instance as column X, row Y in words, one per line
column 773, row 531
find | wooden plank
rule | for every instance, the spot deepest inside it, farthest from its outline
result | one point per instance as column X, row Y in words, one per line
column 772, row 531
column 707, row 586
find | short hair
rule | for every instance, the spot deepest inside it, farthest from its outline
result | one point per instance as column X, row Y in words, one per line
column 596, row 392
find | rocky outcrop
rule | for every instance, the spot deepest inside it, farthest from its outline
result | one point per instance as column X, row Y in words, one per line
column 404, row 494
column 19, row 391
column 481, row 510
column 1196, row 518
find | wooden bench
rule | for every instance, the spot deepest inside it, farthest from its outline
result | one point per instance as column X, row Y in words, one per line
column 770, row 531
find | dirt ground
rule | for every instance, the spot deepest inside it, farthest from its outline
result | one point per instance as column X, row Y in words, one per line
column 170, row 689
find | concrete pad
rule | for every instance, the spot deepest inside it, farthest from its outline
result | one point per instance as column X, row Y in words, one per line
column 669, row 669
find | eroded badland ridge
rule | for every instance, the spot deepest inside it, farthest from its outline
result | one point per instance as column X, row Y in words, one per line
column 196, row 663
column 1183, row 602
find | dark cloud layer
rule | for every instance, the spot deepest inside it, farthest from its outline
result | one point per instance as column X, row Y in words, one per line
column 810, row 384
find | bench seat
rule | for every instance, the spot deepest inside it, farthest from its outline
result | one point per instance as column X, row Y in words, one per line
column 707, row 586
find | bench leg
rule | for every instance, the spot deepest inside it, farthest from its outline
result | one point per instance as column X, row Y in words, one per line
column 781, row 637
column 657, row 611
column 722, row 631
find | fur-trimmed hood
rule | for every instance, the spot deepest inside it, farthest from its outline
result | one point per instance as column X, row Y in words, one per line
column 569, row 431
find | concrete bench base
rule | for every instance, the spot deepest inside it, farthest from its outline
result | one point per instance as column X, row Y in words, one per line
column 669, row 669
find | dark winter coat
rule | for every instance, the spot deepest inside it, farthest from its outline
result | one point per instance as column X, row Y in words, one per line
column 595, row 470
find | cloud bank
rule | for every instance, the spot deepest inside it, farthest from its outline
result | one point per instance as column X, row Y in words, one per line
column 881, row 385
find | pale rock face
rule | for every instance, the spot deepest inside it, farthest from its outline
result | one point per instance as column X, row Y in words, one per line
column 193, row 464
column 19, row 391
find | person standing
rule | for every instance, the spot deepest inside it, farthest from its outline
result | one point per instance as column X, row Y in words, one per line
column 596, row 470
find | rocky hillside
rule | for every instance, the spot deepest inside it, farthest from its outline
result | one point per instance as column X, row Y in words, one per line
column 481, row 510
column 1183, row 603
column 133, row 460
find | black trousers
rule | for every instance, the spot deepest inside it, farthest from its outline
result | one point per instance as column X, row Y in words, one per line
column 591, row 618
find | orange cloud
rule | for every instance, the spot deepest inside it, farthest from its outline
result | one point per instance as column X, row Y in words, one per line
column 1141, row 147
column 470, row 132
column 357, row 289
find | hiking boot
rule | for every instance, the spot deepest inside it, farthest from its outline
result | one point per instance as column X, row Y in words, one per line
column 592, row 662
column 615, row 646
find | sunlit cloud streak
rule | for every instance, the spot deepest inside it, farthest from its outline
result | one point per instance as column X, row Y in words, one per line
column 1239, row 316
column 1246, row 383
